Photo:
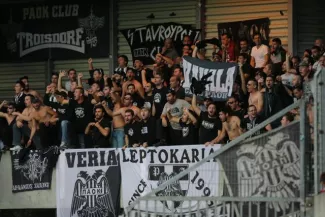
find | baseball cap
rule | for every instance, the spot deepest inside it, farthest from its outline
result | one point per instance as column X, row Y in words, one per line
column 304, row 63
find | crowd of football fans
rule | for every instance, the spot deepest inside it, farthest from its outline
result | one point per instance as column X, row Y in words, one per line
column 141, row 106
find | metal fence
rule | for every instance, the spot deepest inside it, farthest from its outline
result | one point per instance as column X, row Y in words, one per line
column 276, row 187
column 318, row 89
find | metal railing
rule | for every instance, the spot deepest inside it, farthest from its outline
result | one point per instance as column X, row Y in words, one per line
column 289, row 206
column 318, row 89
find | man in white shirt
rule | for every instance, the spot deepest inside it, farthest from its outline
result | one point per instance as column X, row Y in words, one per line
column 260, row 54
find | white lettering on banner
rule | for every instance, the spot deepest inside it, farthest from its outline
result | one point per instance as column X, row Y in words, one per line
column 146, row 169
column 159, row 33
column 57, row 11
column 216, row 89
column 71, row 40
column 141, row 52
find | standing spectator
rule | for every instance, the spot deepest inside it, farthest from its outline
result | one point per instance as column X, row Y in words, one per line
column 260, row 55
column 19, row 96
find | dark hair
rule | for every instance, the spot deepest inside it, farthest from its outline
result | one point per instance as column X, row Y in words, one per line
column 32, row 97
column 235, row 97
column 128, row 94
column 55, row 73
column 257, row 33
column 244, row 55
column 224, row 110
column 22, row 84
column 126, row 59
column 308, row 51
column 130, row 111
column 297, row 88
column 71, row 70
column 322, row 177
column 289, row 117
column 13, row 104
column 171, row 91
column 296, row 57
column 243, row 40
column 270, row 76
column 316, row 48
column 277, row 40
column 226, row 34
column 99, row 107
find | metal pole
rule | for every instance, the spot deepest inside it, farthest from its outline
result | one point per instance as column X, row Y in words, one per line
column 302, row 154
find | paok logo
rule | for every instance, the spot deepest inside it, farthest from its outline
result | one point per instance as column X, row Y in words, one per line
column 34, row 168
column 161, row 174
column 92, row 195
column 90, row 24
column 270, row 170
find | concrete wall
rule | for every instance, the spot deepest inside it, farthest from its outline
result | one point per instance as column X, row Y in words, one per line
column 319, row 208
column 23, row 200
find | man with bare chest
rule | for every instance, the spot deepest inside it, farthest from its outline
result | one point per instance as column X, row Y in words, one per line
column 255, row 96
column 230, row 127
column 45, row 121
column 25, row 126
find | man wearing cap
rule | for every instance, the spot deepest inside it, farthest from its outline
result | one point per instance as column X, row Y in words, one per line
column 305, row 72
column 65, row 114
column 148, row 128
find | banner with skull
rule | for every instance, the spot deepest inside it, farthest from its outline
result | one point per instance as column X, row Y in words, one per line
column 88, row 183
column 265, row 166
column 39, row 31
column 31, row 171
column 146, row 169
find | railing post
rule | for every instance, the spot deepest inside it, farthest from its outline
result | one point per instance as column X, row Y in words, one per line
column 302, row 186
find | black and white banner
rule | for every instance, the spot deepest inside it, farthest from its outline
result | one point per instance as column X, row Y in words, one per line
column 38, row 31
column 146, row 41
column 246, row 30
column 223, row 77
column 146, row 169
column 88, row 183
column 266, row 166
column 30, row 171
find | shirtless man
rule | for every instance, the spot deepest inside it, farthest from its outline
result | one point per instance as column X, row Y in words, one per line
column 230, row 127
column 255, row 96
column 45, row 119
column 30, row 91
column 25, row 126
column 128, row 104
column 130, row 75
column 118, row 120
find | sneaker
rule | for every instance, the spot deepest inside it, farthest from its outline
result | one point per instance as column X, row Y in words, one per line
column 16, row 148
column 63, row 145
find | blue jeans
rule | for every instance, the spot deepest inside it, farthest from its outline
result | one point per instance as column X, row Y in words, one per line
column 24, row 131
column 118, row 138
column 65, row 132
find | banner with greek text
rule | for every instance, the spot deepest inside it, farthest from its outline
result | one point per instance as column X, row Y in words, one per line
column 146, row 41
column 222, row 78
column 146, row 169
column 30, row 171
column 38, row 31
column 88, row 183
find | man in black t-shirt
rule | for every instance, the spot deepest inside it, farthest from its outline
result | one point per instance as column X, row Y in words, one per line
column 209, row 123
column 159, row 95
column 131, row 129
column 100, row 129
column 148, row 128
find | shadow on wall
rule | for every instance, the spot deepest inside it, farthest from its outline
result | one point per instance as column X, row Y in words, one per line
column 28, row 213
